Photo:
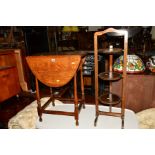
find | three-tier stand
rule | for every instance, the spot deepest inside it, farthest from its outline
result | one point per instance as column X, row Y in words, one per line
column 107, row 97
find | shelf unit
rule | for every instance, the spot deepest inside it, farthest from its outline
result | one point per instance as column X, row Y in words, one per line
column 107, row 97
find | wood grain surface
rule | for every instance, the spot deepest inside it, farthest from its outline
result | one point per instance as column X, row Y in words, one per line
column 54, row 70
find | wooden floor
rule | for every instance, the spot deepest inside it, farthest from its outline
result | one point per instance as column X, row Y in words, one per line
column 13, row 105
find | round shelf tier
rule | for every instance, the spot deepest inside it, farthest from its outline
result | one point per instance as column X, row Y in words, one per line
column 110, row 76
column 113, row 51
column 109, row 99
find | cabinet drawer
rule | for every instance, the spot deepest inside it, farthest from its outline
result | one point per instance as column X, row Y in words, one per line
column 9, row 83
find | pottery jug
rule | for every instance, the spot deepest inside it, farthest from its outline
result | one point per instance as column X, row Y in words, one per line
column 151, row 63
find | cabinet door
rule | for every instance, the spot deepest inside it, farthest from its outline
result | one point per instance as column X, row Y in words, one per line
column 7, row 60
column 4, row 91
column 139, row 91
column 9, row 83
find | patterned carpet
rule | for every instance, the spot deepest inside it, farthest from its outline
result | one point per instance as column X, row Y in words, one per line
column 86, row 119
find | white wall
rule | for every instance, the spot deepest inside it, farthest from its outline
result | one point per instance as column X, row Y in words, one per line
column 94, row 28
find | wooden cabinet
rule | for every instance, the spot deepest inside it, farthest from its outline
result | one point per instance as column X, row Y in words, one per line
column 9, row 81
column 140, row 90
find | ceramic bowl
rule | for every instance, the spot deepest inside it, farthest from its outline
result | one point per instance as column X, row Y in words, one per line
column 134, row 64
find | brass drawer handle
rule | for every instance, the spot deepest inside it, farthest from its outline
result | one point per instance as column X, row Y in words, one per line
column 53, row 60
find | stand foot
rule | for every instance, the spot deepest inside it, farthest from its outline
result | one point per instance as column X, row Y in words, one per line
column 53, row 104
column 122, row 122
column 77, row 123
column 96, row 119
column 84, row 106
column 40, row 119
